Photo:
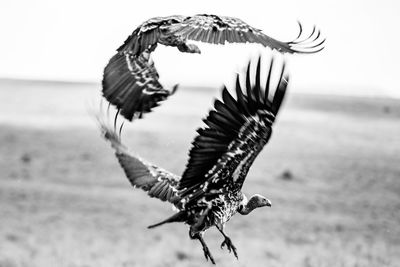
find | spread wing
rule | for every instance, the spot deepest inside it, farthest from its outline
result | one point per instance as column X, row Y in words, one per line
column 131, row 84
column 156, row 181
column 147, row 35
column 220, row 29
column 236, row 131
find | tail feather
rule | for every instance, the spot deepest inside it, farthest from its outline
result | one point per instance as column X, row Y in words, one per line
column 177, row 217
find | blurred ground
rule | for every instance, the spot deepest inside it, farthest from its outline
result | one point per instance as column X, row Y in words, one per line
column 331, row 171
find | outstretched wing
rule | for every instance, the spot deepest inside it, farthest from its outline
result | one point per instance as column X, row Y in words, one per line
column 156, row 181
column 131, row 84
column 220, row 29
column 236, row 131
column 147, row 35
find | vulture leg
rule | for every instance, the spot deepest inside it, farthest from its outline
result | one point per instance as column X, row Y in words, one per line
column 188, row 48
column 227, row 241
column 207, row 252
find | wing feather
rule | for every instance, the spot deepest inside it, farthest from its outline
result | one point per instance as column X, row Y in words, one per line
column 230, row 103
column 236, row 131
column 156, row 181
column 222, row 29
column 241, row 101
column 131, row 84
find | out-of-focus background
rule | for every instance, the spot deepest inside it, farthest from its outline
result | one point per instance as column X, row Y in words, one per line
column 331, row 168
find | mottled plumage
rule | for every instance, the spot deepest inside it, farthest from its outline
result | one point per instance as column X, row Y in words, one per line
column 222, row 29
column 209, row 192
column 131, row 83
column 119, row 80
column 157, row 182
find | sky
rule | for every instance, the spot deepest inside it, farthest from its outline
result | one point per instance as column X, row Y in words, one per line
column 73, row 40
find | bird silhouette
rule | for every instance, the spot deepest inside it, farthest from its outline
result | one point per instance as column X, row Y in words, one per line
column 209, row 192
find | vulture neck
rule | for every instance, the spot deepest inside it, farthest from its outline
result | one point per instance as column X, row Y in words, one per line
column 248, row 206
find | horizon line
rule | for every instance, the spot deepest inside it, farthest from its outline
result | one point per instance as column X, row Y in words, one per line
column 303, row 91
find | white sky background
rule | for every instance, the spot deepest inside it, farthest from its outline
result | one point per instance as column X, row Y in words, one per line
column 73, row 40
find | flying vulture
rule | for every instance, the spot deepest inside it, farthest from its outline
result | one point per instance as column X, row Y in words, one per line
column 209, row 191
column 130, row 80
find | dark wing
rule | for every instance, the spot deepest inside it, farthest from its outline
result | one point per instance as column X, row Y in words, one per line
column 219, row 30
column 236, row 131
column 156, row 181
column 146, row 36
column 131, row 84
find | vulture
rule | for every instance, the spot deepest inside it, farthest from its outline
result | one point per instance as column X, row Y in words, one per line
column 130, row 80
column 209, row 192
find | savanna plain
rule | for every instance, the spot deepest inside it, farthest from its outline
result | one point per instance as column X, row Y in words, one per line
column 331, row 170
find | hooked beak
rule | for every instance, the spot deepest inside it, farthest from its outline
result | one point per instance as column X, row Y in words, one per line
column 268, row 204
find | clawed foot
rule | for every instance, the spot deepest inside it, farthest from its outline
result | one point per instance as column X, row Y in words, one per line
column 208, row 255
column 228, row 243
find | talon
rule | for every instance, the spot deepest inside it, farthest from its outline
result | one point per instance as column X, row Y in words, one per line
column 212, row 260
column 229, row 246
column 206, row 251
column 223, row 244
column 235, row 253
column 208, row 256
column 205, row 255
